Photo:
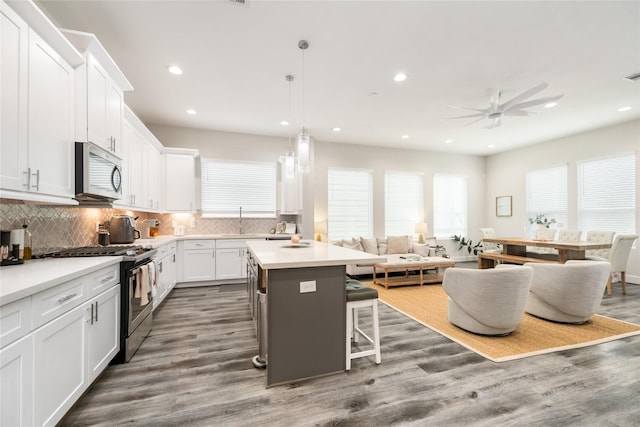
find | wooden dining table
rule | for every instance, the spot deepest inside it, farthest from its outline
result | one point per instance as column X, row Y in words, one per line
column 514, row 250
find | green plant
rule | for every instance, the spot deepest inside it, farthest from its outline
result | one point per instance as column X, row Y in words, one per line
column 541, row 219
column 462, row 242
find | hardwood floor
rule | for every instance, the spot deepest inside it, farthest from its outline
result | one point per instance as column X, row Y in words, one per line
column 195, row 370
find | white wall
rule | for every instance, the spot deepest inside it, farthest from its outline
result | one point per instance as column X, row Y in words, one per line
column 506, row 172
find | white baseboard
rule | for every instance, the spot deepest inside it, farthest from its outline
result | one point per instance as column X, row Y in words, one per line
column 633, row 279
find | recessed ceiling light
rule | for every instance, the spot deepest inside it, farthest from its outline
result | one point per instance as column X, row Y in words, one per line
column 448, row 141
column 192, row 112
column 550, row 105
column 400, row 77
column 405, row 136
column 491, row 145
column 174, row 69
column 621, row 109
column 336, row 129
column 284, row 123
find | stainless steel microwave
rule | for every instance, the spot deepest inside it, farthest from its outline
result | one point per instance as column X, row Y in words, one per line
column 98, row 174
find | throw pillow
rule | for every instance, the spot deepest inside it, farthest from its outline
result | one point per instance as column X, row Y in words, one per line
column 421, row 249
column 369, row 245
column 352, row 244
column 382, row 246
column 397, row 244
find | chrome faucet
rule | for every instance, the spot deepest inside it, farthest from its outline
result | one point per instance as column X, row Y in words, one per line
column 241, row 229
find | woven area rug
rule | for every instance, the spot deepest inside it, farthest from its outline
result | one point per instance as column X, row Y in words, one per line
column 428, row 305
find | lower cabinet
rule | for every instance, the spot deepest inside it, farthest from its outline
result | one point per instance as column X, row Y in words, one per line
column 167, row 274
column 198, row 260
column 71, row 351
column 16, row 387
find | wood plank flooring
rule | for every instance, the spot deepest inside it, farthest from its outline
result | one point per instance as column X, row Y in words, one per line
column 195, row 370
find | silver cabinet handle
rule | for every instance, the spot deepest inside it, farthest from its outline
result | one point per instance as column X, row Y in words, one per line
column 37, row 175
column 28, row 173
column 66, row 298
column 96, row 311
column 106, row 279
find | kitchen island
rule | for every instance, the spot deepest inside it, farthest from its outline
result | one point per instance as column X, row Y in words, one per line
column 306, row 300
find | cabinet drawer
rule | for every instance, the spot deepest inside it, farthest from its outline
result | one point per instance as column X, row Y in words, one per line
column 171, row 247
column 231, row 243
column 103, row 280
column 15, row 321
column 199, row 244
column 49, row 304
column 162, row 251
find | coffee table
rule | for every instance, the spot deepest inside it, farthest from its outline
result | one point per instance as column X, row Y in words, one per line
column 422, row 266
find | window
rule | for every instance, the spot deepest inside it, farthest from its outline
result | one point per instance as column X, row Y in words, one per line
column 228, row 186
column 350, row 204
column 547, row 194
column 449, row 205
column 607, row 194
column 403, row 202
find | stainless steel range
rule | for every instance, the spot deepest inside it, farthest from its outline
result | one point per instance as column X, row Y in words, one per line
column 136, row 306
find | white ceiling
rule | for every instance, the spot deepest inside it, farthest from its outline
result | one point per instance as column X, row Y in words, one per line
column 235, row 58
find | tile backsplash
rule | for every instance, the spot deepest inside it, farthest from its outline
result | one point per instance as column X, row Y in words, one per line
column 55, row 227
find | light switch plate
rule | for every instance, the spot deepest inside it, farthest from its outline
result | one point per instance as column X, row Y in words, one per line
column 309, row 286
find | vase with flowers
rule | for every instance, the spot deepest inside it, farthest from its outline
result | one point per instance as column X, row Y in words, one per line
column 543, row 232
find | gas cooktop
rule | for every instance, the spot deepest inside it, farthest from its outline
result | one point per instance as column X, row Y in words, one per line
column 91, row 251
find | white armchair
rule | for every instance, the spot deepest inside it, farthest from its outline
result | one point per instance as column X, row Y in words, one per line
column 490, row 248
column 567, row 293
column 489, row 301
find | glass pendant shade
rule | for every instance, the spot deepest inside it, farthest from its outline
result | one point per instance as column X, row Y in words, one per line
column 289, row 165
column 303, row 151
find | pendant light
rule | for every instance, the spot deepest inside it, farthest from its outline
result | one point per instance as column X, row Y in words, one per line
column 289, row 158
column 303, row 140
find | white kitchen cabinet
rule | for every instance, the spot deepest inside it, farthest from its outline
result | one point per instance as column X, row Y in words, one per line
column 16, row 387
column 231, row 259
column 100, row 87
column 155, row 171
column 103, row 332
column 198, row 260
column 37, row 111
column 167, row 272
column 60, row 372
column 181, row 182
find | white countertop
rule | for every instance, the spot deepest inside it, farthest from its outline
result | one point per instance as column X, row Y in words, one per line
column 19, row 281
column 275, row 255
column 161, row 240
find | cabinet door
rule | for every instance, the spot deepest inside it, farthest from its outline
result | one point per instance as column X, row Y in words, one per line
column 181, row 183
column 171, row 269
column 97, row 81
column 228, row 263
column 163, row 285
column 103, row 332
column 60, row 374
column 135, row 169
column 199, row 265
column 114, row 111
column 51, row 120
column 16, row 387
column 13, row 110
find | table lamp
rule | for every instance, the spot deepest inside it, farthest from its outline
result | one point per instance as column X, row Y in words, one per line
column 319, row 228
column 421, row 229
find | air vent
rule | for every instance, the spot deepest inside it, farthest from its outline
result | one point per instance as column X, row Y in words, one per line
column 239, row 1
column 633, row 77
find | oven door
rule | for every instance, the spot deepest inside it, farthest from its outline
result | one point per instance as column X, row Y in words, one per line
column 140, row 296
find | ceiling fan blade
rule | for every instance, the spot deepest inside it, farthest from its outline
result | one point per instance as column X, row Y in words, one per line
column 475, row 121
column 459, row 107
column 534, row 102
column 524, row 95
column 468, row 116
column 495, row 99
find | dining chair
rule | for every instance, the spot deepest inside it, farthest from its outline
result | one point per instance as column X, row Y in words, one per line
column 490, row 248
column 599, row 237
column 569, row 235
column 618, row 258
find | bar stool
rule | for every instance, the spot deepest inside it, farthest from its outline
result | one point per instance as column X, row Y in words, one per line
column 360, row 296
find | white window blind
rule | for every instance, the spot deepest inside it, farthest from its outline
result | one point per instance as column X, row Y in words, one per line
column 547, row 194
column 403, row 202
column 350, row 204
column 449, row 205
column 607, row 194
column 228, row 186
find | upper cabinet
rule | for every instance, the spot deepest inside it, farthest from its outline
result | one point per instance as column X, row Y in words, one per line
column 38, row 101
column 99, row 101
column 181, row 182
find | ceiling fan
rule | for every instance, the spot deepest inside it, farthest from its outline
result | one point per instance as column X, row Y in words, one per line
column 515, row 107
